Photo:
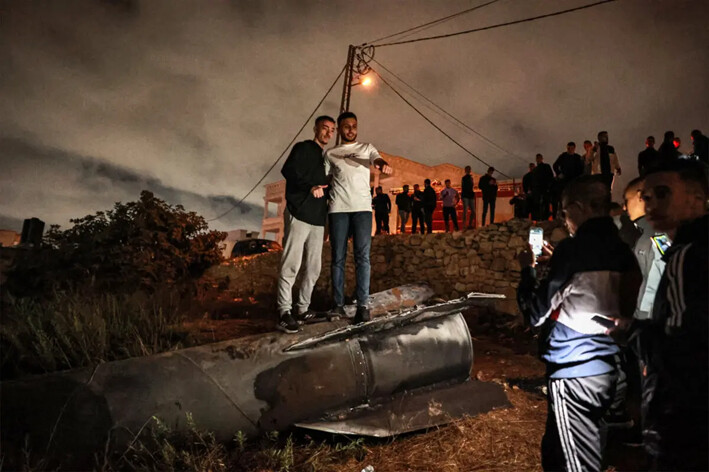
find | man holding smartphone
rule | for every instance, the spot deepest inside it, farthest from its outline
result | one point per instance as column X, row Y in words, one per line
column 591, row 273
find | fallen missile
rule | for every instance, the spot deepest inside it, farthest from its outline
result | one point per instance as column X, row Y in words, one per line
column 397, row 373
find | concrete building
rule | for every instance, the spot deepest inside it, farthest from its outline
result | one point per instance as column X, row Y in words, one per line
column 274, row 204
column 405, row 172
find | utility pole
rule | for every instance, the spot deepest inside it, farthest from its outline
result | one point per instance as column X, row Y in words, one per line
column 347, row 85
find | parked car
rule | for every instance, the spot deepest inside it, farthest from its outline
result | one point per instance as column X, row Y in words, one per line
column 250, row 247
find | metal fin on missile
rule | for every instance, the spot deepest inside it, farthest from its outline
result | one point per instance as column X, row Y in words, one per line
column 413, row 410
column 386, row 322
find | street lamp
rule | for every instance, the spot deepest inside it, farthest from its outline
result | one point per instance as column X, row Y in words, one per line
column 366, row 81
column 357, row 68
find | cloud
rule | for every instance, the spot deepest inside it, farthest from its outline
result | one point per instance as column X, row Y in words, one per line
column 66, row 185
column 201, row 97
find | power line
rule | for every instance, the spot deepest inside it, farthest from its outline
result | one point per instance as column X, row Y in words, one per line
column 310, row 117
column 432, row 123
column 431, row 23
column 461, row 123
column 499, row 25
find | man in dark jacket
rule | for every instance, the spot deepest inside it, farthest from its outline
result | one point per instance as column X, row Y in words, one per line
column 519, row 202
column 304, row 224
column 429, row 204
column 567, row 167
column 542, row 179
column 668, row 151
column 649, row 158
column 417, row 210
column 488, row 187
column 527, row 189
column 700, row 143
column 593, row 280
column 381, row 203
column 605, row 160
column 467, row 194
column 675, row 343
column 403, row 203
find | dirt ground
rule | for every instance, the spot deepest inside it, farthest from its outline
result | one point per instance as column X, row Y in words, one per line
column 505, row 439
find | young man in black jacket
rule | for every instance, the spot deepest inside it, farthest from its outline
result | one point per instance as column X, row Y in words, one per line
column 467, row 194
column 417, row 210
column 542, row 179
column 304, row 224
column 567, row 167
column 429, row 204
column 674, row 344
column 381, row 203
column 403, row 204
column 488, row 187
column 649, row 157
column 593, row 281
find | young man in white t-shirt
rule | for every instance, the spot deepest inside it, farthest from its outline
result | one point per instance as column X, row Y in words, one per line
column 350, row 211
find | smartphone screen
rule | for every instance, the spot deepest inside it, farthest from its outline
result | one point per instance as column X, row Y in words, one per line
column 536, row 240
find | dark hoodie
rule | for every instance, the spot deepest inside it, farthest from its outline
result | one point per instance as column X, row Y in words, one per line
column 678, row 351
column 304, row 169
column 592, row 273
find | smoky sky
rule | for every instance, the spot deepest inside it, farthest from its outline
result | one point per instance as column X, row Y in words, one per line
column 195, row 100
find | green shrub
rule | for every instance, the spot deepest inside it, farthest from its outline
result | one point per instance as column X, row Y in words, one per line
column 160, row 448
column 136, row 245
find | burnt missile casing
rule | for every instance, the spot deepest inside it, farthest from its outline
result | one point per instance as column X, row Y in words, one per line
column 253, row 384
column 378, row 378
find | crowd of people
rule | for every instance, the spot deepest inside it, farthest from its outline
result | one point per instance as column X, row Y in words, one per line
column 420, row 204
column 623, row 313
column 543, row 185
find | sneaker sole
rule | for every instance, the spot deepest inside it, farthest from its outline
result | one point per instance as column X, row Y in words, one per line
column 286, row 330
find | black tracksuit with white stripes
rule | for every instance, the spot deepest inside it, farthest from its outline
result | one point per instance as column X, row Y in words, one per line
column 677, row 431
column 592, row 274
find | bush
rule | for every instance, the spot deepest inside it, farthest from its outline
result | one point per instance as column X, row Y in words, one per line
column 69, row 330
column 136, row 245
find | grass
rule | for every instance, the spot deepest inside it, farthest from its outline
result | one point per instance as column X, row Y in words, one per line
column 501, row 440
column 160, row 448
column 69, row 330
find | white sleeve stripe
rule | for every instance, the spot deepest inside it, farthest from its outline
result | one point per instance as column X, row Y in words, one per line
column 671, row 302
column 675, row 288
column 680, row 286
column 563, row 426
column 672, row 290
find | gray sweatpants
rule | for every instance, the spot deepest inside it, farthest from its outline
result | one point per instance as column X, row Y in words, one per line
column 302, row 245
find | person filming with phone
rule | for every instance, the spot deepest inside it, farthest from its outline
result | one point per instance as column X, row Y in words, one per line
column 593, row 282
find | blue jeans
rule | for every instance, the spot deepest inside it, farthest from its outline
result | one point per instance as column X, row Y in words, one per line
column 359, row 224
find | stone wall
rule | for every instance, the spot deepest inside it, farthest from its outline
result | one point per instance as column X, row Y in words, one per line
column 481, row 260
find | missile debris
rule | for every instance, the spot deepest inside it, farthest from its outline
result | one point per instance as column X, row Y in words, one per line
column 396, row 373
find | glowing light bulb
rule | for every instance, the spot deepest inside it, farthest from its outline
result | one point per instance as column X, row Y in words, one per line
column 367, row 81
